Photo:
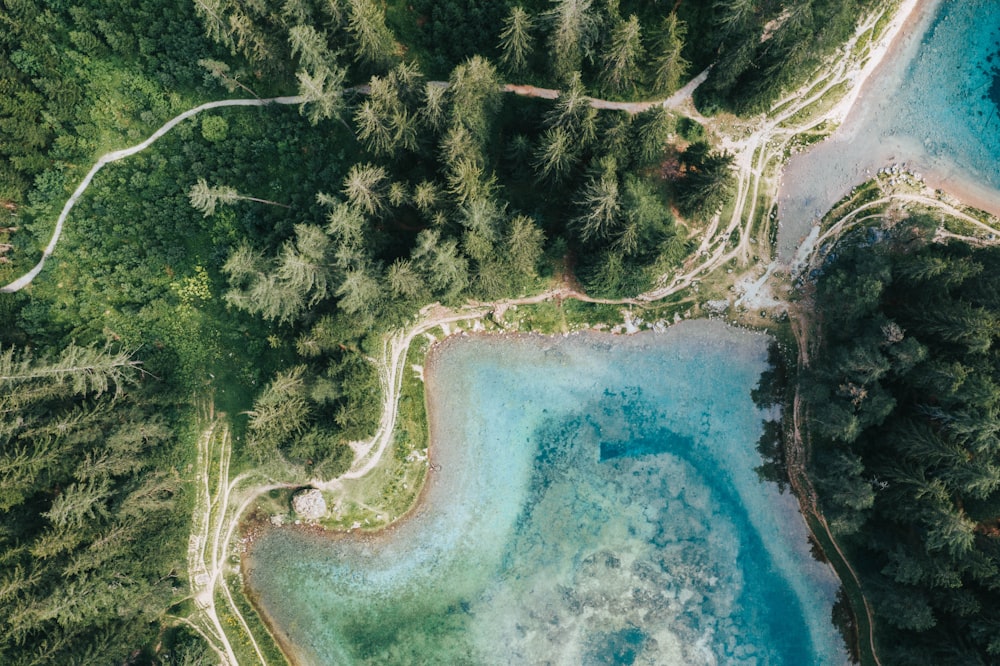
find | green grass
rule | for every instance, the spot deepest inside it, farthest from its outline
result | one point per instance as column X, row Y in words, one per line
column 242, row 647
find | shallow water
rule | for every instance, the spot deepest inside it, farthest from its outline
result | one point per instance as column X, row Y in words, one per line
column 596, row 504
column 933, row 105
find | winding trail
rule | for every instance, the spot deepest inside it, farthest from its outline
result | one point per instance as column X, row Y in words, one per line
column 680, row 99
column 759, row 147
column 117, row 155
column 219, row 503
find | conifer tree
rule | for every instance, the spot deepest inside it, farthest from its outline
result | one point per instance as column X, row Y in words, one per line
column 375, row 43
column 600, row 203
column 669, row 65
column 573, row 26
column 621, row 59
column 322, row 93
column 365, row 186
column 515, row 40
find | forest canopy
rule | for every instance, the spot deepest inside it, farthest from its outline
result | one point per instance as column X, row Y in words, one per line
column 253, row 257
column 903, row 407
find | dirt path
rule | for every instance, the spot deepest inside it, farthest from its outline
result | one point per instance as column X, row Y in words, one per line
column 219, row 504
column 797, row 461
column 117, row 155
column 680, row 98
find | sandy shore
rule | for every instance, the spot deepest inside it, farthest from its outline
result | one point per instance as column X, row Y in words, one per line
column 905, row 22
column 882, row 128
column 967, row 191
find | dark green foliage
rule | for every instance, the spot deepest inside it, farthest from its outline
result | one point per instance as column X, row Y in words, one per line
column 455, row 30
column 760, row 49
column 904, row 408
column 708, row 180
column 67, row 69
column 92, row 508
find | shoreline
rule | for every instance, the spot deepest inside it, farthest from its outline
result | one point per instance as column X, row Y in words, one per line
column 904, row 20
column 252, row 530
column 444, row 495
column 872, row 137
column 967, row 191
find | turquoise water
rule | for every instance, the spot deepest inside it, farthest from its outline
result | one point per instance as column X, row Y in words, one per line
column 933, row 105
column 596, row 503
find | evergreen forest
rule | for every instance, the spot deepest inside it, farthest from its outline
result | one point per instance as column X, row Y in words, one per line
column 254, row 258
column 903, row 399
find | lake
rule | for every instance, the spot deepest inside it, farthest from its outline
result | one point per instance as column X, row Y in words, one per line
column 594, row 502
column 933, row 104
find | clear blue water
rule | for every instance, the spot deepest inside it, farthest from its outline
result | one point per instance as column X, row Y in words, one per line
column 596, row 504
column 933, row 105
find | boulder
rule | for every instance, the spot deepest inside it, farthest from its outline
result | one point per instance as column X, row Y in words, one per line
column 309, row 504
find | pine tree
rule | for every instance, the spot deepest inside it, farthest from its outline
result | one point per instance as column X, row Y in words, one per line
column 281, row 411
column 669, row 65
column 557, row 154
column 311, row 48
column 360, row 291
column 365, row 186
column 468, row 182
column 425, row 196
column 322, row 93
column 205, row 198
column 304, row 264
column 404, row 282
column 600, row 203
column 573, row 29
column 515, row 40
column 366, row 23
column 80, row 370
column 475, row 97
column 621, row 60
column 573, row 113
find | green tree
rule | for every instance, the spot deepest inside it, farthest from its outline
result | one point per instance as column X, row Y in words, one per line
column 219, row 71
column 214, row 128
column 556, row 155
column 708, row 180
column 476, row 96
column 442, row 266
column 375, row 43
column 574, row 113
column 515, row 39
column 304, row 263
column 525, row 245
column 653, row 130
column 404, row 281
column 365, row 187
column 280, row 412
column 321, row 93
column 600, row 203
column 310, row 46
column 622, row 57
column 468, row 181
column 425, row 196
column 573, row 29
column 434, row 110
column 669, row 65
column 205, row 198
column 361, row 291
